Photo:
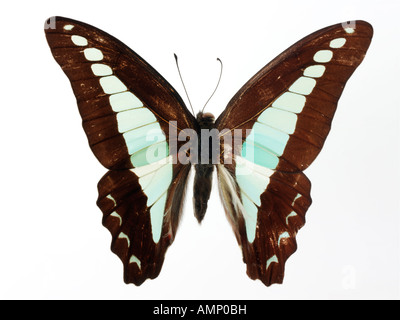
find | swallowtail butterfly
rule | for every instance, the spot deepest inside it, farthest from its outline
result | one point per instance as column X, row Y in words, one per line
column 139, row 128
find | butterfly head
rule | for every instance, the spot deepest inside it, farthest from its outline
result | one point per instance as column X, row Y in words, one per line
column 205, row 119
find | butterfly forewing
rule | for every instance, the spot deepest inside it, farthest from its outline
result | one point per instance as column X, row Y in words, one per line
column 126, row 108
column 124, row 103
column 287, row 110
column 295, row 96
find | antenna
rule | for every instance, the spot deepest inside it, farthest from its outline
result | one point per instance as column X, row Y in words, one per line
column 179, row 71
column 219, row 80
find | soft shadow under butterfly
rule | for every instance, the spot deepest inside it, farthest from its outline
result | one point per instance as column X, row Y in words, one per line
column 270, row 132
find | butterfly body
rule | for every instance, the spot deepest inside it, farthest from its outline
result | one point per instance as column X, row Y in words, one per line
column 139, row 128
column 203, row 171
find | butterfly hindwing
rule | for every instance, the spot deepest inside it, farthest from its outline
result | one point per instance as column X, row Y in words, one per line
column 126, row 108
column 287, row 110
column 141, row 230
column 266, row 209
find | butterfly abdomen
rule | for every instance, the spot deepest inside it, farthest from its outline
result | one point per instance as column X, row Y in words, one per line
column 202, row 189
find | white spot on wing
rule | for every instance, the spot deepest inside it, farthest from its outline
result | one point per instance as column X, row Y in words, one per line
column 323, row 56
column 140, row 138
column 116, row 215
column 291, row 102
column 68, row 27
column 295, row 199
column 155, row 184
column 250, row 216
column 155, row 179
column 315, row 71
column 292, row 214
column 337, row 43
column 135, row 118
column 284, row 235
column 124, row 236
column 157, row 215
column 151, row 168
column 124, row 101
column 252, row 180
column 111, row 198
column 303, row 85
column 112, row 84
column 79, row 41
column 93, row 54
column 135, row 259
column 100, row 69
column 279, row 119
column 246, row 167
column 253, row 186
column 271, row 260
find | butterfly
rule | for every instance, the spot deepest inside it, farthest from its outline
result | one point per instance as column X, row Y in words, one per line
column 139, row 128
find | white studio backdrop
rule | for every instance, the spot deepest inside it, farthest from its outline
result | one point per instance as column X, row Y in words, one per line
column 52, row 243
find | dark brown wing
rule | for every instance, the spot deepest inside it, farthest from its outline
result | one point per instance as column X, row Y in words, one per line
column 287, row 108
column 127, row 107
column 284, row 85
column 111, row 82
column 140, row 236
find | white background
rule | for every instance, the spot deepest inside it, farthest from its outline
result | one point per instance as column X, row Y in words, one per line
column 52, row 243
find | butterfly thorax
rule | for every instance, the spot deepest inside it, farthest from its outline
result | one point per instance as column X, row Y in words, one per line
column 206, row 143
column 204, row 169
